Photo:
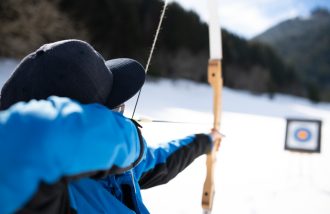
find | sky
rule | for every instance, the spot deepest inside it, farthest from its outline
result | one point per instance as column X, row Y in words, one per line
column 248, row 18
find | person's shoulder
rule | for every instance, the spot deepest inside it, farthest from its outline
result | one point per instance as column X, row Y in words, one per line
column 58, row 109
column 46, row 109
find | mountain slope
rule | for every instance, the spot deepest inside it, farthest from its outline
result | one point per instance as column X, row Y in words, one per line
column 305, row 44
column 126, row 28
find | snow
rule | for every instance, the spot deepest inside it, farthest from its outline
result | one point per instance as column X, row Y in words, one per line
column 6, row 68
column 254, row 174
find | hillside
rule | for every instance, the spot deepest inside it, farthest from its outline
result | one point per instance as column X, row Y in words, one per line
column 304, row 43
column 126, row 28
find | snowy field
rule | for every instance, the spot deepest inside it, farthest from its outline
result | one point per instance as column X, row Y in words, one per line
column 254, row 175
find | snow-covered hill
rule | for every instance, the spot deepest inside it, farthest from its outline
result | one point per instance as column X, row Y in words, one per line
column 254, row 175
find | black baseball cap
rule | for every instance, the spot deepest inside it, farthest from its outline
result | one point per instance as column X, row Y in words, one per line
column 72, row 68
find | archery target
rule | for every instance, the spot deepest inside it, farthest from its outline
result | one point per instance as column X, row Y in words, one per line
column 303, row 135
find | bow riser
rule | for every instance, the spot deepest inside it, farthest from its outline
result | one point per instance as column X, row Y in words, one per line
column 215, row 80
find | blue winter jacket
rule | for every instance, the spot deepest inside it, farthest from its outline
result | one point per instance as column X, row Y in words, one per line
column 58, row 156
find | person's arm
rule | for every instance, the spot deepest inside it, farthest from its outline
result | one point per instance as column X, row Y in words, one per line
column 163, row 163
column 43, row 141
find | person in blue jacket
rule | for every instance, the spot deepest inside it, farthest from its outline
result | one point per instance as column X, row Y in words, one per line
column 65, row 146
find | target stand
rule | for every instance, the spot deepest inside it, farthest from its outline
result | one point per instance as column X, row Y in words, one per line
column 303, row 135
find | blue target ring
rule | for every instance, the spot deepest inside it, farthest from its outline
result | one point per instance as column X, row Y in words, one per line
column 302, row 135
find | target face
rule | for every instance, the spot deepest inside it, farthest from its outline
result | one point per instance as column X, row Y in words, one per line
column 303, row 135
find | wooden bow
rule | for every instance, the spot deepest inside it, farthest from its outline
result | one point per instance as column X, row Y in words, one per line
column 215, row 80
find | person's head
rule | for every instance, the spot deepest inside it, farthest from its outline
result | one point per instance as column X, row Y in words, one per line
column 73, row 69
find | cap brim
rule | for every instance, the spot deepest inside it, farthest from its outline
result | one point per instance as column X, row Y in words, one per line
column 128, row 78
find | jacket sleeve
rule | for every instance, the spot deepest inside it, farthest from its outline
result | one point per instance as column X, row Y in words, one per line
column 162, row 164
column 43, row 141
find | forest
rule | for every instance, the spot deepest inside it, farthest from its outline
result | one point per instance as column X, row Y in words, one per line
column 126, row 28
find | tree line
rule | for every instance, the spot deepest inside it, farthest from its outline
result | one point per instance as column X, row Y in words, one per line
column 125, row 28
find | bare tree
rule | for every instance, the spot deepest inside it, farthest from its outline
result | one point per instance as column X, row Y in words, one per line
column 27, row 24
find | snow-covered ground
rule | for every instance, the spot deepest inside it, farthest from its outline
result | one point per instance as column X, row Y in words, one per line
column 254, row 175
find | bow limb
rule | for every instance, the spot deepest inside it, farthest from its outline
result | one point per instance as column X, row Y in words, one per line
column 215, row 80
